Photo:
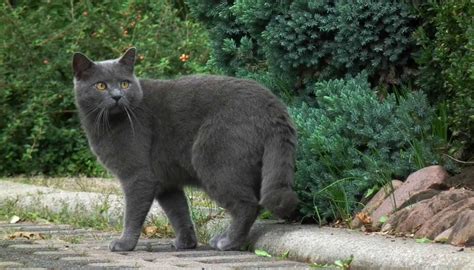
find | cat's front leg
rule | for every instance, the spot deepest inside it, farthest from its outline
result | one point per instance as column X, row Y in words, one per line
column 175, row 205
column 139, row 194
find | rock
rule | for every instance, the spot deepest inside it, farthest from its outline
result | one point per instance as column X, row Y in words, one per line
column 395, row 220
column 444, row 236
column 409, row 219
column 376, row 201
column 464, row 179
column 420, row 196
column 445, row 219
column 432, row 177
column 463, row 231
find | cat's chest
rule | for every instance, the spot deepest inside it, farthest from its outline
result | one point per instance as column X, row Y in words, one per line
column 122, row 151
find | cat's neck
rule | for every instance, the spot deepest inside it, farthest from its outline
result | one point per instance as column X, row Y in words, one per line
column 101, row 122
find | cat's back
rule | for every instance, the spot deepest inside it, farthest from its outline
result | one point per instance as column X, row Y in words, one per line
column 212, row 93
column 210, row 85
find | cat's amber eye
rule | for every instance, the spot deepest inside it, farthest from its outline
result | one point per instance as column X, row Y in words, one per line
column 101, row 86
column 124, row 84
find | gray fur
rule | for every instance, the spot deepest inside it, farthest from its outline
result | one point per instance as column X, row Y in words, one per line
column 231, row 137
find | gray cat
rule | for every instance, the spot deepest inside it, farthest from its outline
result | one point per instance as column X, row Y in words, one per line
column 231, row 137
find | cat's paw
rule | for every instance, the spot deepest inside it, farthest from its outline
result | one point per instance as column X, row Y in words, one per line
column 214, row 240
column 185, row 241
column 223, row 242
column 122, row 245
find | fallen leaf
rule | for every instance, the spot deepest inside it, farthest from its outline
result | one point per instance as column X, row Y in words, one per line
column 285, row 255
column 150, row 230
column 26, row 235
column 42, row 221
column 364, row 218
column 14, row 219
column 344, row 264
column 370, row 192
column 383, row 219
column 423, row 240
column 262, row 253
column 443, row 240
column 339, row 263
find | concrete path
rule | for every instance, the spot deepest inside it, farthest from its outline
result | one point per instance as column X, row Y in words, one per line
column 303, row 243
column 68, row 248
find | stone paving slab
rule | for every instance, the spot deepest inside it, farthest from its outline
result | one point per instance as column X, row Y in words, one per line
column 91, row 252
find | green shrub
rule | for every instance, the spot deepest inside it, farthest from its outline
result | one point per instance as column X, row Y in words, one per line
column 447, row 63
column 352, row 141
column 39, row 129
column 305, row 41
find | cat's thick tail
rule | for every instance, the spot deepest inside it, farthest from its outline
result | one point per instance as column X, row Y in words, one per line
column 278, row 164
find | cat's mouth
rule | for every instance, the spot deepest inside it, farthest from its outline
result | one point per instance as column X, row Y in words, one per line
column 116, row 108
column 120, row 107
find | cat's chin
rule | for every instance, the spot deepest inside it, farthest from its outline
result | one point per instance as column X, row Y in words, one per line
column 115, row 109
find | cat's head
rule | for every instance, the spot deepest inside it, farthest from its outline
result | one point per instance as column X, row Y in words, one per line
column 107, row 85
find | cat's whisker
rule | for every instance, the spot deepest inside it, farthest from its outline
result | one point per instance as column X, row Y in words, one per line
column 100, row 120
column 89, row 106
column 106, row 121
column 90, row 110
column 101, row 125
column 97, row 122
column 133, row 114
column 130, row 108
column 130, row 120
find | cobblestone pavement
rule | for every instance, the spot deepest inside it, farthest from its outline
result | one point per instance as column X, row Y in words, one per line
column 66, row 248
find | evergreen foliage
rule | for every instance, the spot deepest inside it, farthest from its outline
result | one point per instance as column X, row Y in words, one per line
column 447, row 63
column 305, row 41
column 352, row 141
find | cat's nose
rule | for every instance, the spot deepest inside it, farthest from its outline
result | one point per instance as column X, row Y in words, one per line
column 115, row 94
column 117, row 97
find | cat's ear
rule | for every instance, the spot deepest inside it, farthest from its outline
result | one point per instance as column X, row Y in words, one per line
column 128, row 58
column 80, row 63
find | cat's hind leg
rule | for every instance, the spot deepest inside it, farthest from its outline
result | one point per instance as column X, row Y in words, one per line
column 235, row 237
column 227, row 189
column 226, row 156
column 175, row 205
